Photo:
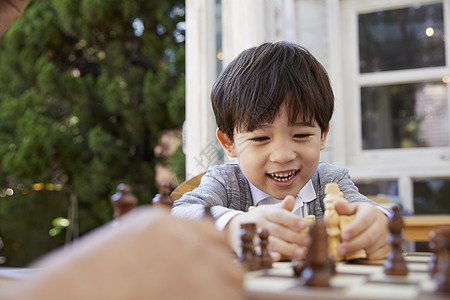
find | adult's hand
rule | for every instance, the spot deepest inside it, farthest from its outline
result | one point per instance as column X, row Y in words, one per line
column 147, row 254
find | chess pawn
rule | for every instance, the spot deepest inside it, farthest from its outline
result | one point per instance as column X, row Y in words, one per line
column 317, row 270
column 395, row 264
column 163, row 199
column 265, row 258
column 123, row 200
column 207, row 212
column 248, row 258
column 310, row 220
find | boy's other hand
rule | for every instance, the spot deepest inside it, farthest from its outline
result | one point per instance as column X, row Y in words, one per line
column 367, row 231
column 286, row 236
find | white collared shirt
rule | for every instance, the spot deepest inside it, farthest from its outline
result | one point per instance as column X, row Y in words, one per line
column 306, row 195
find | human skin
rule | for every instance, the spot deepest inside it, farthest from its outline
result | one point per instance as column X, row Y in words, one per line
column 147, row 254
column 10, row 10
column 279, row 159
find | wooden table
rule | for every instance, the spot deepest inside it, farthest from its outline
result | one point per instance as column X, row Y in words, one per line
column 417, row 228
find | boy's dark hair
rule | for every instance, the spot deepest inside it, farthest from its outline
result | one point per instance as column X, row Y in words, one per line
column 253, row 87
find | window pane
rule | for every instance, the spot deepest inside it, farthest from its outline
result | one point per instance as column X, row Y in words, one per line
column 377, row 187
column 405, row 116
column 403, row 38
column 431, row 196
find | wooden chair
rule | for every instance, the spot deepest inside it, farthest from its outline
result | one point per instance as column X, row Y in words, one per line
column 186, row 186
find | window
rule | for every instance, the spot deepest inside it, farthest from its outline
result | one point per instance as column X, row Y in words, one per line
column 396, row 69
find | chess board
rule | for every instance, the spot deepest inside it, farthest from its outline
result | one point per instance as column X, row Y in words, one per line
column 359, row 280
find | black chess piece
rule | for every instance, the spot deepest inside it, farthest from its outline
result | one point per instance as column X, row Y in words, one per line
column 248, row 257
column 123, row 200
column 317, row 270
column 163, row 199
column 432, row 265
column 2, row 256
column 443, row 252
column 265, row 258
column 395, row 264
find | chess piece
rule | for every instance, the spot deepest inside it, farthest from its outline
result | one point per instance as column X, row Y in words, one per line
column 297, row 267
column 310, row 220
column 123, row 200
column 163, row 199
column 2, row 256
column 432, row 265
column 317, row 271
column 207, row 212
column 443, row 247
column 395, row 264
column 265, row 258
column 331, row 219
column 333, row 193
column 248, row 258
column 344, row 221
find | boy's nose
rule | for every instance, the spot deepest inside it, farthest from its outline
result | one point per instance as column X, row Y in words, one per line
column 282, row 153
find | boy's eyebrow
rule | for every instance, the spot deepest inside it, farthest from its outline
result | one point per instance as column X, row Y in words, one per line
column 306, row 124
column 299, row 124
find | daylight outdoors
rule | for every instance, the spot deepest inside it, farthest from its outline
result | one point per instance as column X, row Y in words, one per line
column 86, row 89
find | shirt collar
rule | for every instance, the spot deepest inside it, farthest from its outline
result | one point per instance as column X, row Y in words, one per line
column 306, row 194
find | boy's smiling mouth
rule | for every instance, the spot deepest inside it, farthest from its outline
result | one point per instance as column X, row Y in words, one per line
column 283, row 176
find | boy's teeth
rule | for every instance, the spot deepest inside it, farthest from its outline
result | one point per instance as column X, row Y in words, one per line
column 282, row 176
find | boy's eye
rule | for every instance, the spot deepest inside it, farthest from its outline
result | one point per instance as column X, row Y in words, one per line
column 301, row 136
column 260, row 139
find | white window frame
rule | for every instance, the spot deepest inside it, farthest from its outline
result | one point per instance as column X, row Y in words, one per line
column 404, row 165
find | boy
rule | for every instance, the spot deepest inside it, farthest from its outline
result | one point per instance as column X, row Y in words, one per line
column 273, row 105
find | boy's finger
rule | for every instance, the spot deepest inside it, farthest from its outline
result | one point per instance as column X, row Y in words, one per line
column 344, row 208
column 287, row 203
column 286, row 219
column 286, row 249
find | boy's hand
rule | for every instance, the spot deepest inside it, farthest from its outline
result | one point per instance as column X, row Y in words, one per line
column 284, row 227
column 367, row 231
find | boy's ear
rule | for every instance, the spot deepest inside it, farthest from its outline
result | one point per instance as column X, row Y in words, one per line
column 226, row 143
column 323, row 138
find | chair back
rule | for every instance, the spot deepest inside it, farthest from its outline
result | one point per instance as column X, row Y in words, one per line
column 186, row 186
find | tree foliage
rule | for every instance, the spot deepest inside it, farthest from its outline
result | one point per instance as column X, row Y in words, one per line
column 86, row 88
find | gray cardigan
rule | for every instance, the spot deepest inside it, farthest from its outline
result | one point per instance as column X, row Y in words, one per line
column 226, row 188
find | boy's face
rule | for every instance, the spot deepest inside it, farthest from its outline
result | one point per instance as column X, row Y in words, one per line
column 277, row 158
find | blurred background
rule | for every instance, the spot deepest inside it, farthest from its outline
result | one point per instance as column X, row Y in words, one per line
column 91, row 95
column 96, row 93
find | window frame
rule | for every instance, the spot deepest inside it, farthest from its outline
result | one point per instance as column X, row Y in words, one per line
column 402, row 164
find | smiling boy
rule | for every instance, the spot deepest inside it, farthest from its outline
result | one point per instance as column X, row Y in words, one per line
column 273, row 105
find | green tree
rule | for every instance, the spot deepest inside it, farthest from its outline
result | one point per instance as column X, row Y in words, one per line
column 86, row 88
